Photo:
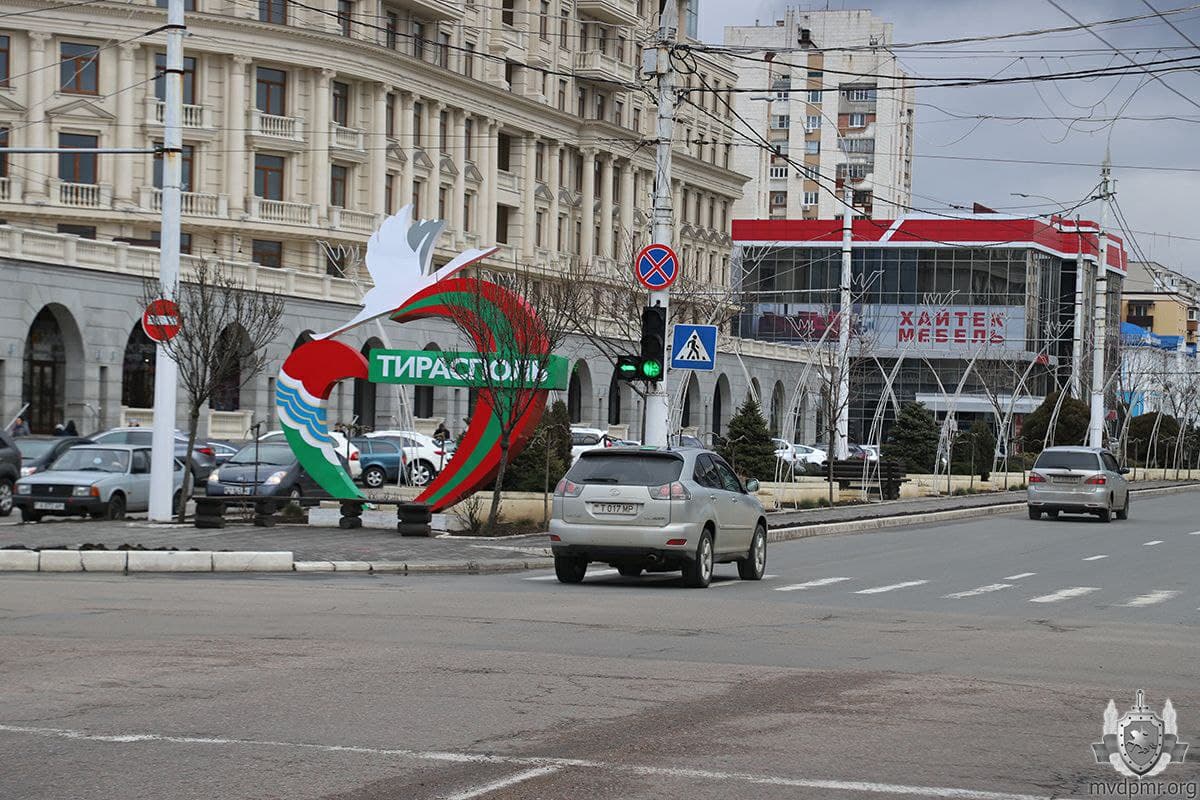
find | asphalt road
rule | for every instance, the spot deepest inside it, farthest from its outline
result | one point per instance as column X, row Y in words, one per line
column 971, row 660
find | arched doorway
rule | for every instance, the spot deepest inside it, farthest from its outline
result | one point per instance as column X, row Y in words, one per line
column 423, row 396
column 777, row 401
column 691, row 402
column 365, row 397
column 304, row 338
column 614, row 400
column 722, row 399
column 45, row 377
column 579, row 392
column 137, row 375
column 227, row 380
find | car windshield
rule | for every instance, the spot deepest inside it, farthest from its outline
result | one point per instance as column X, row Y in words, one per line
column 1065, row 459
column 34, row 448
column 275, row 454
column 627, row 469
column 92, row 459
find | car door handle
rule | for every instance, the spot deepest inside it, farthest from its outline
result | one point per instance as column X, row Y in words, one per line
column 712, row 497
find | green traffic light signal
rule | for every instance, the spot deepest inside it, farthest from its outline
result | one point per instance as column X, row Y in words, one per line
column 652, row 369
column 627, row 369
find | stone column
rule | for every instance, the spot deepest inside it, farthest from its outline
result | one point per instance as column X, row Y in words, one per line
column 626, row 210
column 677, row 211
column 489, row 181
column 587, row 240
column 529, row 206
column 236, row 121
column 319, row 161
column 458, row 145
column 377, row 141
column 126, row 125
column 606, row 206
column 433, row 149
column 553, row 244
column 405, row 131
column 36, row 185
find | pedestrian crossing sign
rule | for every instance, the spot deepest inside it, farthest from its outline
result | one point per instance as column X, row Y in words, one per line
column 694, row 347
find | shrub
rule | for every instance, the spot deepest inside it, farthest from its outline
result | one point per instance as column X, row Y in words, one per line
column 748, row 447
column 913, row 439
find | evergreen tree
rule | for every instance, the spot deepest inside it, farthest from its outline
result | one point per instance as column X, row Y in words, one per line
column 527, row 472
column 747, row 446
column 974, row 450
column 914, row 439
column 1072, row 423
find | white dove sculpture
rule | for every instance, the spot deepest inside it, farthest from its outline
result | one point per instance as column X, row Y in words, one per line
column 399, row 258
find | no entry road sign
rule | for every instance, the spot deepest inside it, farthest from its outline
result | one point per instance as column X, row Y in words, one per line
column 656, row 267
column 161, row 320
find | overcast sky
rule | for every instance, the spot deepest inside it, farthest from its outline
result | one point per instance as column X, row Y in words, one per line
column 1163, row 202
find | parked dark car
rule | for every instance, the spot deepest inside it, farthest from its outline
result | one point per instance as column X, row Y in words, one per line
column 264, row 468
column 39, row 452
column 223, row 451
column 10, row 470
column 203, row 457
column 381, row 460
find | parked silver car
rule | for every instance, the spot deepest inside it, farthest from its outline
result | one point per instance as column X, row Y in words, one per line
column 1078, row 480
column 95, row 479
column 657, row 509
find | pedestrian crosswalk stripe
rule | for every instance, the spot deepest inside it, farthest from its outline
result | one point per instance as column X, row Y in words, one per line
column 1065, row 594
column 880, row 589
column 1020, row 575
column 811, row 584
column 1094, row 558
column 1152, row 543
column 991, row 587
column 1152, row 598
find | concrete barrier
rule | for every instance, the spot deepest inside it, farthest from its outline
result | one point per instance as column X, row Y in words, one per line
column 60, row 561
column 18, row 561
column 104, row 560
column 279, row 561
column 170, row 561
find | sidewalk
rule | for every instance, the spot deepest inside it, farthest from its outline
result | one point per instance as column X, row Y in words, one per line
column 321, row 545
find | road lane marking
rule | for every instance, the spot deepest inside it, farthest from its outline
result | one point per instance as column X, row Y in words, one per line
column 590, row 573
column 1065, row 594
column 1020, row 575
column 1152, row 542
column 1094, row 558
column 488, row 788
column 1150, row 599
column 991, row 587
column 892, row 587
column 1194, row 533
column 811, row 584
column 865, row 787
column 738, row 582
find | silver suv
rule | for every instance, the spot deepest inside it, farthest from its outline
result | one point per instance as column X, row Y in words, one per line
column 1078, row 480
column 656, row 509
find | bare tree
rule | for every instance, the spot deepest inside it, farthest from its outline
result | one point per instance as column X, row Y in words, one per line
column 224, row 332
column 516, row 331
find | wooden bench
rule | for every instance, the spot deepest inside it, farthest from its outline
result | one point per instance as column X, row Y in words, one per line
column 887, row 476
column 412, row 519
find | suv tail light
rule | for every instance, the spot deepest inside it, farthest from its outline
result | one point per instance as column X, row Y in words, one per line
column 1036, row 478
column 354, row 455
column 1096, row 480
column 567, row 489
column 205, row 451
column 669, row 491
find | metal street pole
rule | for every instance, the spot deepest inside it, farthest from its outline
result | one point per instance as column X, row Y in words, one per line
column 1100, row 313
column 842, row 445
column 664, row 225
column 166, row 371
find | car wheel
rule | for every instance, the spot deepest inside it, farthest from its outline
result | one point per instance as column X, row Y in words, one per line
column 6, row 496
column 294, row 495
column 629, row 572
column 1052, row 514
column 697, row 574
column 175, row 500
column 1105, row 514
column 29, row 515
column 569, row 569
column 1124, row 512
column 374, row 477
column 420, row 473
column 1034, row 513
column 116, row 507
column 754, row 565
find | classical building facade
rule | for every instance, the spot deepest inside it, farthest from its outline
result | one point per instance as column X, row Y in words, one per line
column 522, row 123
column 835, row 109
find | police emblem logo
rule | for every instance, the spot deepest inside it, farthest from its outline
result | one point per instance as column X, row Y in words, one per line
column 1140, row 744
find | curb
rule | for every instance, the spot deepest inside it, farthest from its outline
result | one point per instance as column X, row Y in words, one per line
column 129, row 561
column 426, row 568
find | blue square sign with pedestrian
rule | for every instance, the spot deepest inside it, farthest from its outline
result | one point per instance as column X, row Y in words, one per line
column 694, row 347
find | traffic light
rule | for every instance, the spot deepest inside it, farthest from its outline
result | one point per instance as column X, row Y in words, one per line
column 628, row 368
column 654, row 342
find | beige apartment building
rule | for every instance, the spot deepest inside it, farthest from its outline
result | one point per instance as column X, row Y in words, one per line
column 1161, row 300
column 523, row 123
column 834, row 105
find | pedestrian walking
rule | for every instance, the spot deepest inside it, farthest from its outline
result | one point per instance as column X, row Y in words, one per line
column 19, row 427
column 59, row 430
column 70, row 430
column 441, row 434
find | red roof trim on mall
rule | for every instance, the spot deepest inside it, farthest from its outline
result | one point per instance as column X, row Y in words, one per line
column 1060, row 239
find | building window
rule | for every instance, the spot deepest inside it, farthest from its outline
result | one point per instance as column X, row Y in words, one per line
column 341, row 103
column 82, row 231
column 270, row 95
column 187, row 159
column 781, row 121
column 268, row 176
column 814, row 96
column 188, row 5
column 539, row 161
column 502, row 224
column 506, row 11
column 337, row 260
column 503, row 152
column 812, row 122
column 418, row 39
column 77, row 167
column 778, row 198
column 267, row 253
column 443, row 50
column 389, row 193
column 79, row 68
column 857, row 145
column 418, row 116
column 189, row 78
column 390, row 116
column 779, row 172
column 468, row 137
column 544, row 21
column 3, row 156
column 858, row 120
column 861, row 94
column 469, row 59
column 345, row 15
column 812, row 147
column 5, row 64
column 444, row 132
column 185, row 241
column 418, row 189
column 811, row 198
column 392, row 25
column 338, row 176
column 539, row 224
column 564, row 25
column 273, row 11
column 443, row 202
column 468, row 212
column 815, row 73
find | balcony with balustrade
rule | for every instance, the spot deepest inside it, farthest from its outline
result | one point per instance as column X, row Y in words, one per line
column 598, row 66
column 193, row 204
column 614, row 12
column 261, row 209
column 10, row 189
column 344, row 219
column 347, row 140
column 80, row 195
column 440, row 10
column 195, row 117
column 272, row 130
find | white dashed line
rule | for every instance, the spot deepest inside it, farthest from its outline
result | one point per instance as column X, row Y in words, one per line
column 1153, row 598
column 991, row 587
column 1020, row 575
column 1094, row 558
column 892, row 587
column 1152, row 543
column 1065, row 594
column 590, row 573
column 811, row 584
column 488, row 788
column 1194, row 533
column 718, row 585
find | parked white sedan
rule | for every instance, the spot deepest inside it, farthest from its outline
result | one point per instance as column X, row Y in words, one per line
column 424, row 456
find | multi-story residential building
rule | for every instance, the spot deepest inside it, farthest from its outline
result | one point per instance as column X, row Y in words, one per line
column 520, row 122
column 834, row 106
column 1162, row 301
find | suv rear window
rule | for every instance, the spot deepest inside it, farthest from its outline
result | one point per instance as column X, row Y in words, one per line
column 1062, row 459
column 626, row 469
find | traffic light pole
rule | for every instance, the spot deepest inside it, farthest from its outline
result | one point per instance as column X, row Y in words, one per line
column 664, row 225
